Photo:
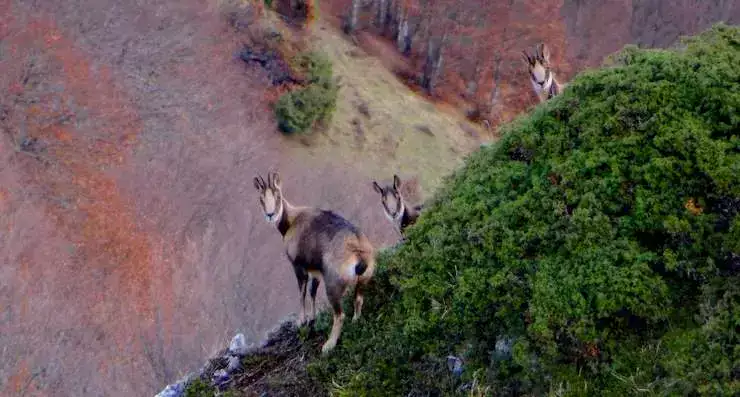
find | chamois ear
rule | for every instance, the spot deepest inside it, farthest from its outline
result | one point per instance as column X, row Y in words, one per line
column 258, row 184
column 545, row 52
column 275, row 180
column 526, row 58
column 377, row 187
column 396, row 182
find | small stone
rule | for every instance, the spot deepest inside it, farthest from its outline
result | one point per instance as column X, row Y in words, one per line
column 503, row 348
column 238, row 345
column 455, row 365
column 234, row 364
column 219, row 377
column 173, row 390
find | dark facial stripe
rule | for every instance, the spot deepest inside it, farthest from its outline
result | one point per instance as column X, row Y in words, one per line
column 389, row 192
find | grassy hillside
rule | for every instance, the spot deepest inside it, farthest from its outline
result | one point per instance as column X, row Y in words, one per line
column 378, row 119
column 375, row 120
column 592, row 251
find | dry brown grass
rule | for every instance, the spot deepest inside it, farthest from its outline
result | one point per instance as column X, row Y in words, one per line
column 382, row 123
column 379, row 120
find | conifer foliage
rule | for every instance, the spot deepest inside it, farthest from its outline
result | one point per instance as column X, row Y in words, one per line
column 594, row 250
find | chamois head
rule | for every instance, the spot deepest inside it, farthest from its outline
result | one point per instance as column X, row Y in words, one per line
column 271, row 196
column 539, row 66
column 391, row 198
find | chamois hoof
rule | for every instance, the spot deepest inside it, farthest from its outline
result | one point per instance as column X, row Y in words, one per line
column 355, row 317
column 301, row 320
column 328, row 346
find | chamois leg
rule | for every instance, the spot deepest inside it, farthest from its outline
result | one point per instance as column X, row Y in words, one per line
column 358, row 301
column 302, row 277
column 334, row 293
column 314, row 289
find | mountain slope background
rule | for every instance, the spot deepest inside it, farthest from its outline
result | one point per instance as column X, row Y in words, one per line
column 131, row 243
column 482, row 67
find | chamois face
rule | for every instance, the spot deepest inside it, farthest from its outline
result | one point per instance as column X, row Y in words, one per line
column 539, row 66
column 271, row 197
column 391, row 198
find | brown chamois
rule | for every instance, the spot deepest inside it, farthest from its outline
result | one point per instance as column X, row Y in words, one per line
column 394, row 206
column 541, row 77
column 321, row 245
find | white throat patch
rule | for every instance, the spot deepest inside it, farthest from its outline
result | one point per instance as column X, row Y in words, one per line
column 542, row 88
column 397, row 219
column 278, row 214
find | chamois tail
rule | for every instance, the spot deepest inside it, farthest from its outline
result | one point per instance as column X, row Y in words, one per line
column 366, row 255
column 360, row 267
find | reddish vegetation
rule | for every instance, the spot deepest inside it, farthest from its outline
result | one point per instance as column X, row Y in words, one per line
column 63, row 173
column 482, row 71
column 129, row 225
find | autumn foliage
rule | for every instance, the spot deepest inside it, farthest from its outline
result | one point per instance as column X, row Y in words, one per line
column 475, row 46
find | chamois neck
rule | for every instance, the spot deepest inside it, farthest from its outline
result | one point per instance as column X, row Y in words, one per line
column 407, row 217
column 554, row 88
column 547, row 85
column 286, row 217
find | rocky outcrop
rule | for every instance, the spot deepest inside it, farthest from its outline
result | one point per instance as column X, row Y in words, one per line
column 218, row 369
column 275, row 366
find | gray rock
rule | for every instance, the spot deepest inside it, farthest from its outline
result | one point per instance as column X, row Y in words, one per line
column 289, row 320
column 455, row 365
column 234, row 364
column 220, row 377
column 238, row 345
column 503, row 348
column 173, row 390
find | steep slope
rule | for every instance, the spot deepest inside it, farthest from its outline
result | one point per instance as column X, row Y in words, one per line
column 592, row 251
column 131, row 246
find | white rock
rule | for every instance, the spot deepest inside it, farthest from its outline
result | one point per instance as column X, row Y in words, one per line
column 234, row 364
column 455, row 365
column 238, row 345
column 220, row 377
column 173, row 390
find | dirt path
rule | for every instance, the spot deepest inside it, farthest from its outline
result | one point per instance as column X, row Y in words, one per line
column 131, row 244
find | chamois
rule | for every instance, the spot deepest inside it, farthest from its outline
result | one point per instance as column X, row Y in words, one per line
column 321, row 245
column 394, row 206
column 543, row 80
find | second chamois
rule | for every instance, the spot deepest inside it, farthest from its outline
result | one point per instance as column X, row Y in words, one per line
column 395, row 207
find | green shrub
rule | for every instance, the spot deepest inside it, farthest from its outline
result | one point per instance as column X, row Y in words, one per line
column 594, row 250
column 297, row 111
column 199, row 388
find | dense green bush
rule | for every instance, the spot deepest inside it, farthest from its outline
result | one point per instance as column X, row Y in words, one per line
column 594, row 250
column 298, row 110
